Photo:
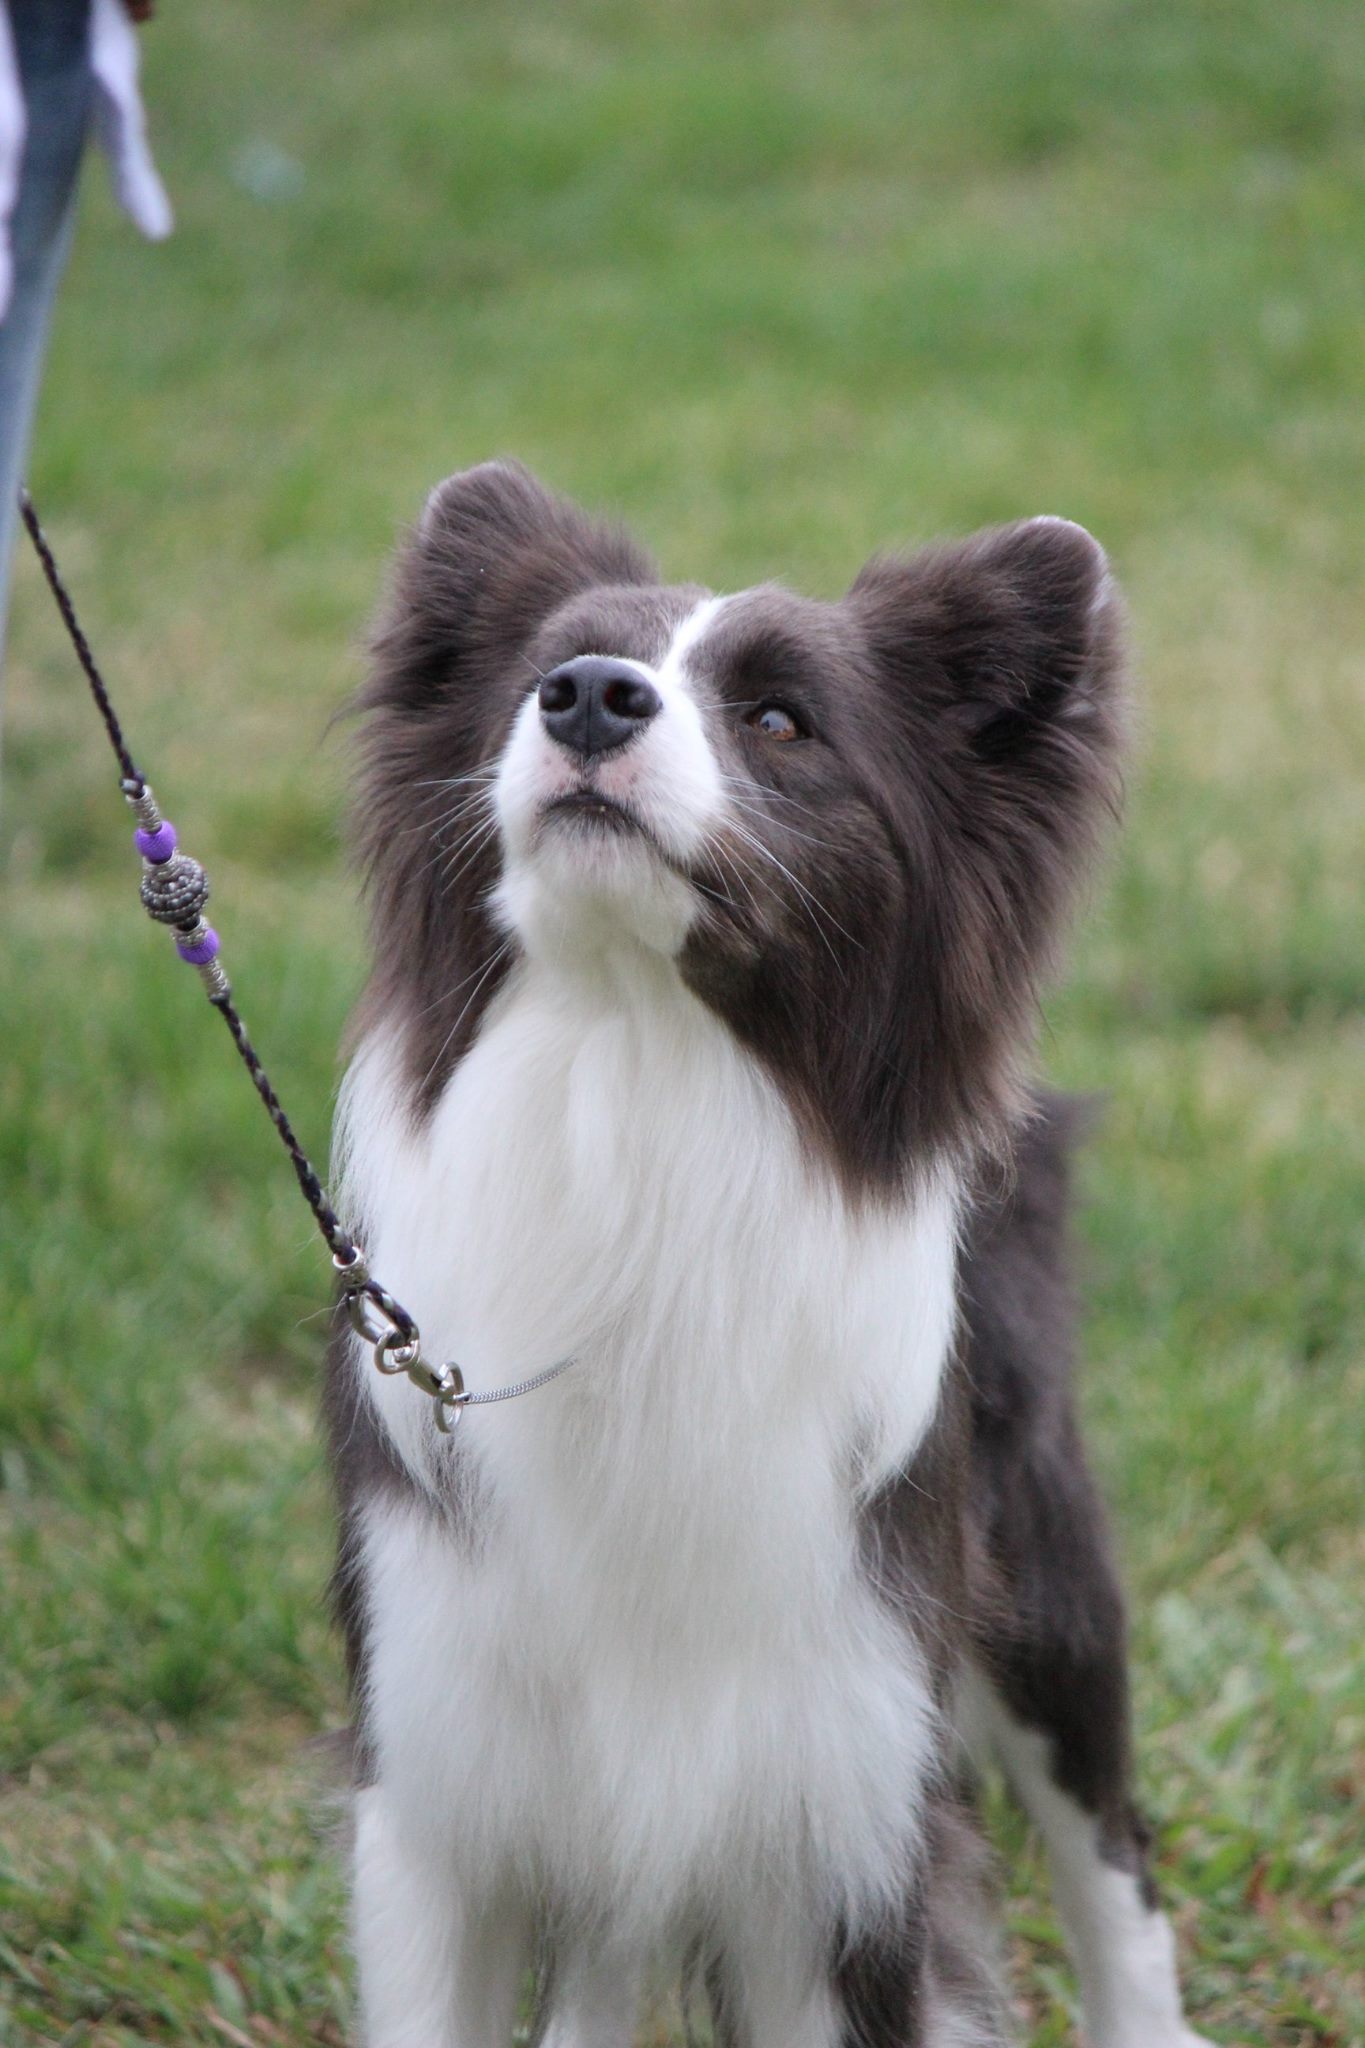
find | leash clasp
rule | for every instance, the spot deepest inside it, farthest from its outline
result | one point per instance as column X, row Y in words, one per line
column 443, row 1383
column 396, row 1342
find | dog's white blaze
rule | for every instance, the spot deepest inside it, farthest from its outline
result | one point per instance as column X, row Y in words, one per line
column 674, row 668
column 659, row 1677
column 567, row 898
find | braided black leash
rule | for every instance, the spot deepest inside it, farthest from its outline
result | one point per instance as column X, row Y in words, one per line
column 174, row 891
column 107, row 712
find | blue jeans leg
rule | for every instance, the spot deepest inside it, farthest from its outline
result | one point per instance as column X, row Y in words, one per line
column 52, row 38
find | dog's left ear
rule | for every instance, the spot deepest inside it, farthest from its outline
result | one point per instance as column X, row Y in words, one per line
column 1001, row 658
column 1005, row 653
column 1012, row 637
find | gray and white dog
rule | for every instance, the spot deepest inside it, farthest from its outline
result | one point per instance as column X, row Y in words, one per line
column 706, row 939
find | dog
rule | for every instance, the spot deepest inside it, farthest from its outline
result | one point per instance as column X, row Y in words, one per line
column 706, row 935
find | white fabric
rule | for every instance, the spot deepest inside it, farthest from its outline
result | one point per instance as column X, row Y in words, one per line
column 120, row 124
column 13, row 127
column 119, row 121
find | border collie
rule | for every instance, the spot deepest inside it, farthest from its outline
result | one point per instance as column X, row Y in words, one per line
column 706, row 938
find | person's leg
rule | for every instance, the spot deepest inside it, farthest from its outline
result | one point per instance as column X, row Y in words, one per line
column 52, row 44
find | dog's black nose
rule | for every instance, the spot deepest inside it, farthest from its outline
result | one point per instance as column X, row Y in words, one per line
column 594, row 704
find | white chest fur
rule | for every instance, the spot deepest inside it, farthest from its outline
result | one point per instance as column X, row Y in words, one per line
column 654, row 1668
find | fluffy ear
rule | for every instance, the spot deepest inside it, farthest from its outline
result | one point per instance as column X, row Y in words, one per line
column 1005, row 652
column 1003, row 658
column 494, row 554
column 1012, row 637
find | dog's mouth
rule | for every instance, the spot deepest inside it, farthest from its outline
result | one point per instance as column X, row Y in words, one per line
column 595, row 809
column 596, row 813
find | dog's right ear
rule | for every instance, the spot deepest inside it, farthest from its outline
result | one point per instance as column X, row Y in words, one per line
column 493, row 555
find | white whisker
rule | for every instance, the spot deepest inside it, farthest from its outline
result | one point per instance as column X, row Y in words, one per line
column 761, row 817
column 499, row 953
column 817, row 908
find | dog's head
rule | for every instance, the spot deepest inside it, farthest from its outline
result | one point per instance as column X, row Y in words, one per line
column 850, row 829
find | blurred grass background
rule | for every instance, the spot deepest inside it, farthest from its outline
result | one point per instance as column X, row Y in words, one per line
column 781, row 285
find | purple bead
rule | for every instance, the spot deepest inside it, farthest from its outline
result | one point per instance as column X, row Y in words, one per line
column 199, row 954
column 156, row 846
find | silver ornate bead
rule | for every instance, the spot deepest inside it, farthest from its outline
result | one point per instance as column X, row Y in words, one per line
column 174, row 891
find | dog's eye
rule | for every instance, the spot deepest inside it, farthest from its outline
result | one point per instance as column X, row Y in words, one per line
column 775, row 722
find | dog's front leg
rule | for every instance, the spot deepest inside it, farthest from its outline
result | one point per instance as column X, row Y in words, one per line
column 437, row 1968
column 593, row 2001
column 772, row 1984
column 767, row 2010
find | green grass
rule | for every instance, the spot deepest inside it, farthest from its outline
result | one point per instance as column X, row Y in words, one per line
column 781, row 285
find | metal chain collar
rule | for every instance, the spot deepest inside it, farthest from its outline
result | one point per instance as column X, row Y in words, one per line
column 174, row 890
